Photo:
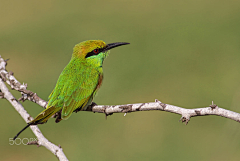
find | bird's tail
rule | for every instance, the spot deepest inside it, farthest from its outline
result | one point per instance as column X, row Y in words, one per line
column 41, row 118
column 45, row 115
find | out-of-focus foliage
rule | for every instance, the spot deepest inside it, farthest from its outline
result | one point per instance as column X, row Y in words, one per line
column 185, row 53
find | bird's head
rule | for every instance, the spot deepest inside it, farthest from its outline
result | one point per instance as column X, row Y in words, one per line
column 94, row 51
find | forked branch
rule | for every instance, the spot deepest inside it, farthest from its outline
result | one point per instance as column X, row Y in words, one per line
column 4, row 93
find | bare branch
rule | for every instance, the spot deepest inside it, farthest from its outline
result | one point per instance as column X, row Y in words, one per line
column 157, row 105
column 41, row 140
column 186, row 114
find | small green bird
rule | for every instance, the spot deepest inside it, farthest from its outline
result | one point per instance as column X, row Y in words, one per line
column 78, row 83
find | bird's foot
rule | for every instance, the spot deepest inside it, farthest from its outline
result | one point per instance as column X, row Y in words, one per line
column 89, row 108
column 58, row 116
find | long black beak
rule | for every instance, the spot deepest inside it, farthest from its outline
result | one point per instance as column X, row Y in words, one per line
column 116, row 44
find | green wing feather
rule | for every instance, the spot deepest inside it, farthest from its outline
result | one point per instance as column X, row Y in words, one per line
column 75, row 89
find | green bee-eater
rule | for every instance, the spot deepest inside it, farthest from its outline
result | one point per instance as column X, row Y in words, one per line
column 78, row 82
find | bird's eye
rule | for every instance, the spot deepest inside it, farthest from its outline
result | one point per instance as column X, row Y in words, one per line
column 96, row 51
column 93, row 52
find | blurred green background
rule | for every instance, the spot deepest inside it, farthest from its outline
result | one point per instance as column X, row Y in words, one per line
column 185, row 53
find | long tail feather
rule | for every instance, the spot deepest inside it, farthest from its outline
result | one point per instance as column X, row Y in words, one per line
column 21, row 131
column 41, row 118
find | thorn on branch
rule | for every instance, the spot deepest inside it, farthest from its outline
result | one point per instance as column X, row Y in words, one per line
column 6, row 61
column 184, row 119
column 106, row 114
column 156, row 100
column 213, row 106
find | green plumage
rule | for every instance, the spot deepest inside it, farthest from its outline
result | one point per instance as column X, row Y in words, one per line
column 75, row 87
column 78, row 82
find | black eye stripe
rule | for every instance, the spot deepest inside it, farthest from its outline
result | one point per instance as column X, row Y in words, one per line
column 93, row 52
